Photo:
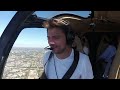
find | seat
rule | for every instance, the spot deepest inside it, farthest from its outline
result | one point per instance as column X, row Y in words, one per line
column 77, row 44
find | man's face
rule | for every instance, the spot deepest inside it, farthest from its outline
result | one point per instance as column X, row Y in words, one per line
column 57, row 40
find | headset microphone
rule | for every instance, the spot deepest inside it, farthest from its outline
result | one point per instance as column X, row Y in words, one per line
column 48, row 47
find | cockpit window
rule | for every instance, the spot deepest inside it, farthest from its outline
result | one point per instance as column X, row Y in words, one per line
column 50, row 14
column 5, row 17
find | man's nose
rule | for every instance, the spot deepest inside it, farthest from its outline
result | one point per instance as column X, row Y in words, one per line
column 51, row 41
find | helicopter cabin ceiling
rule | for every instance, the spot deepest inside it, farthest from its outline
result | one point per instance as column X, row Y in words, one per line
column 102, row 21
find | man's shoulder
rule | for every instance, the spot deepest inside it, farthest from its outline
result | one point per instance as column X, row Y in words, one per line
column 83, row 57
column 81, row 54
column 47, row 53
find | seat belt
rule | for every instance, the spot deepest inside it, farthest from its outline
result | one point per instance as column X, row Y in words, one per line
column 72, row 68
column 70, row 71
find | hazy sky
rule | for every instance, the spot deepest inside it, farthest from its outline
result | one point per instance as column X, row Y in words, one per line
column 33, row 37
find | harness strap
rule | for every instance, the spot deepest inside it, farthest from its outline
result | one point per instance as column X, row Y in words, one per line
column 72, row 68
column 70, row 71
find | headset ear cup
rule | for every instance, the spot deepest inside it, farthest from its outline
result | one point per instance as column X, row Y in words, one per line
column 70, row 37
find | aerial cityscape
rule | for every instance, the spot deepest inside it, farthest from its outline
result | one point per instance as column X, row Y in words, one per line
column 24, row 63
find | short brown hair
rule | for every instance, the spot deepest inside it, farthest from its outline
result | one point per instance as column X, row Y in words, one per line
column 56, row 22
column 64, row 25
column 59, row 23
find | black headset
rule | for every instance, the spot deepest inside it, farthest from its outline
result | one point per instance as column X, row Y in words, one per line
column 70, row 36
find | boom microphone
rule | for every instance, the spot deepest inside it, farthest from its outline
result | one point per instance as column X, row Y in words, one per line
column 48, row 47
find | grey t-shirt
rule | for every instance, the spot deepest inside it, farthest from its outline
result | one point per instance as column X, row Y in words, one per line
column 56, row 68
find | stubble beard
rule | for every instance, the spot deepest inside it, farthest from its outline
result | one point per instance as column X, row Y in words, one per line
column 60, row 51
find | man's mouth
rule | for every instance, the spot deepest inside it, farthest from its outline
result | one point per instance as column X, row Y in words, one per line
column 53, row 47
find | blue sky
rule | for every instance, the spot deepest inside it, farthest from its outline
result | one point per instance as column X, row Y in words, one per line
column 33, row 37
